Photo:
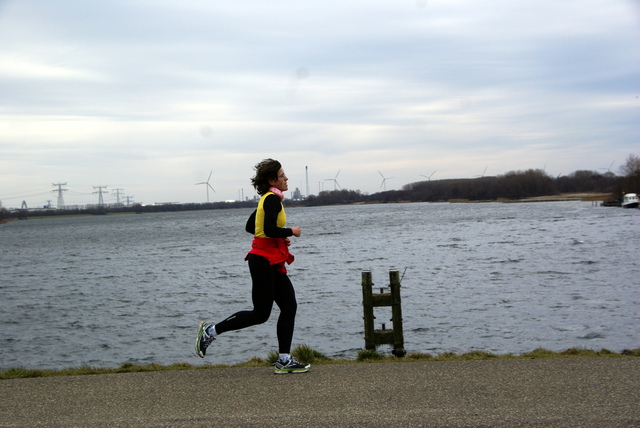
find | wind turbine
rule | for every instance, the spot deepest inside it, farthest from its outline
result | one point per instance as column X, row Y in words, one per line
column 384, row 181
column 428, row 177
column 207, row 185
column 608, row 169
column 483, row 172
column 335, row 181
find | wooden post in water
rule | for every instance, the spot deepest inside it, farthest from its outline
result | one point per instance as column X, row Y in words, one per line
column 367, row 304
column 373, row 337
column 396, row 313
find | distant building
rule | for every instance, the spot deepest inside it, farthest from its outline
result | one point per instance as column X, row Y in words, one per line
column 297, row 196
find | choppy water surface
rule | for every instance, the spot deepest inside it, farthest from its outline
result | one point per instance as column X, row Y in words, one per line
column 504, row 278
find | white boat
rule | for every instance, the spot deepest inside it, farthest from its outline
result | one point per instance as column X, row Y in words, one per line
column 630, row 200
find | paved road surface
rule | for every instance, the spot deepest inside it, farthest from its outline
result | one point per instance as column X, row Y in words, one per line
column 575, row 392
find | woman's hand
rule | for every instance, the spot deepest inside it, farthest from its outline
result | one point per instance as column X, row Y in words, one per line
column 296, row 231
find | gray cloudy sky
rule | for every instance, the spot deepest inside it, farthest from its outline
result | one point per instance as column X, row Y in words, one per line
column 150, row 96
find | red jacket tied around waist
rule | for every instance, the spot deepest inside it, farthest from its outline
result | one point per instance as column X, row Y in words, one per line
column 275, row 250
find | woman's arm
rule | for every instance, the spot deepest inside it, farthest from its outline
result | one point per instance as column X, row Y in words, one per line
column 272, row 207
column 251, row 224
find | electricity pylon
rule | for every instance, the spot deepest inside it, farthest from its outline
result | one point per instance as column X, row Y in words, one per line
column 60, row 198
column 118, row 193
column 99, row 192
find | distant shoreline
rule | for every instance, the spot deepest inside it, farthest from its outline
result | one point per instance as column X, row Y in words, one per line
column 563, row 197
column 584, row 197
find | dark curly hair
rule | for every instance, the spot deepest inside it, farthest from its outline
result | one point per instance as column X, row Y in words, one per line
column 265, row 170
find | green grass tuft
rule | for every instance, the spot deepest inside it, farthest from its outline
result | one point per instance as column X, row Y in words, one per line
column 369, row 355
column 272, row 357
column 17, row 373
column 445, row 356
column 478, row 355
column 305, row 354
column 540, row 353
column 418, row 357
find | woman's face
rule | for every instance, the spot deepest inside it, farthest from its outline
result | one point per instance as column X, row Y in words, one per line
column 281, row 182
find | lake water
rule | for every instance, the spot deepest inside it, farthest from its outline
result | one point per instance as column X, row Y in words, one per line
column 502, row 278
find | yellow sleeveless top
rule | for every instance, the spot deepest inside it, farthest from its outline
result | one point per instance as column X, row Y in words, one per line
column 280, row 222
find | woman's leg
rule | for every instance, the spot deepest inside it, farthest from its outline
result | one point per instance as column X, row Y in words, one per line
column 263, row 277
column 285, row 298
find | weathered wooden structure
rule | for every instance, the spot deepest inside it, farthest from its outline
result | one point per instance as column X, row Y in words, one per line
column 370, row 300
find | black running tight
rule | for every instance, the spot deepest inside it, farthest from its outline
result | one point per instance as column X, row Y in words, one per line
column 268, row 286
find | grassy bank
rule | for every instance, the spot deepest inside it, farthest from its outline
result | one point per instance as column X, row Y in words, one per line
column 309, row 355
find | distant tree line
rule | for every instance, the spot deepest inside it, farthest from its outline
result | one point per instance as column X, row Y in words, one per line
column 510, row 186
column 513, row 185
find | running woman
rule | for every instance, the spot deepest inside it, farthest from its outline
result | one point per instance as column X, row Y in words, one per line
column 267, row 257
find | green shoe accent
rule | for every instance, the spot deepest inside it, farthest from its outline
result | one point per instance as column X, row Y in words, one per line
column 291, row 366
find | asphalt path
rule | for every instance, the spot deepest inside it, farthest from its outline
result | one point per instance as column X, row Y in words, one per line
column 571, row 392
